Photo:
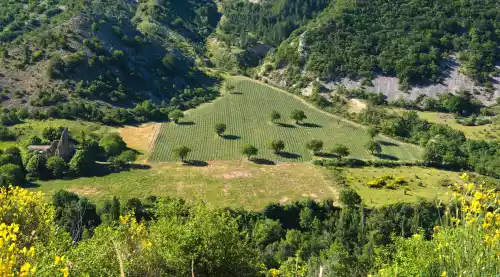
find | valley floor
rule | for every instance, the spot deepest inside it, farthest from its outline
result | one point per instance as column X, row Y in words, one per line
column 249, row 185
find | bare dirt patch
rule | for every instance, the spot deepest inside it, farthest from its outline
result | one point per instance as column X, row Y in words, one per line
column 356, row 105
column 237, row 174
column 284, row 199
column 140, row 138
column 86, row 191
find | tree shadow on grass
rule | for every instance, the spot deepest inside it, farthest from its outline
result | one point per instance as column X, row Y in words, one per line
column 231, row 137
column 326, row 155
column 286, row 125
column 195, row 163
column 387, row 157
column 387, row 143
column 288, row 155
column 310, row 125
column 139, row 166
column 263, row 161
column 187, row 123
column 30, row 185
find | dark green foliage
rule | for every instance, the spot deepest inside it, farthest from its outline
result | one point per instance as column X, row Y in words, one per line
column 82, row 163
column 181, row 152
column 12, row 174
column 409, row 39
column 111, row 210
column 267, row 231
column 349, row 197
column 176, row 115
column 57, row 166
column 37, row 166
column 249, row 150
column 118, row 163
column 52, row 133
column 270, row 21
column 275, row 116
column 220, row 128
column 47, row 98
column 298, row 116
column 113, row 61
column 277, row 145
column 373, row 131
column 374, row 147
column 315, row 146
column 6, row 134
column 10, row 117
column 340, row 150
column 112, row 144
column 75, row 214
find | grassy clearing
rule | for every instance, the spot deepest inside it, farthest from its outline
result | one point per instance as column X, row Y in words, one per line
column 246, row 114
column 487, row 132
column 229, row 183
column 423, row 182
column 35, row 127
column 253, row 186
column 141, row 137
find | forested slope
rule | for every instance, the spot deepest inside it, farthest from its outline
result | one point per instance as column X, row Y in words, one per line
column 73, row 55
column 410, row 39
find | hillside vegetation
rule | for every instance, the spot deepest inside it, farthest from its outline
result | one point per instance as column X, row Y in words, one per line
column 94, row 55
column 174, row 237
column 247, row 113
column 410, row 39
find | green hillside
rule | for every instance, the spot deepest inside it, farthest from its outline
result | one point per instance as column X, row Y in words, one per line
column 409, row 39
column 246, row 112
column 103, row 54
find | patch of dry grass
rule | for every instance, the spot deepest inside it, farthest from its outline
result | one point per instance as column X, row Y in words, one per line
column 223, row 183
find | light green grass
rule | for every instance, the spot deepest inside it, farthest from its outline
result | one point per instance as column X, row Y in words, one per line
column 487, row 132
column 253, row 186
column 229, row 183
column 427, row 177
column 75, row 127
column 35, row 127
column 247, row 117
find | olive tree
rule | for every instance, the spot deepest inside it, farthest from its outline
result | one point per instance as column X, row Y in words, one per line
column 181, row 152
column 315, row 146
column 298, row 116
column 340, row 150
column 176, row 116
column 220, row 128
column 250, row 150
column 277, row 145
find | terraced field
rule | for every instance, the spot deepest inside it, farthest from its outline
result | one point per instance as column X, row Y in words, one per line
column 246, row 112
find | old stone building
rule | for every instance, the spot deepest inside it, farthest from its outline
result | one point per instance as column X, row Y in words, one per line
column 60, row 147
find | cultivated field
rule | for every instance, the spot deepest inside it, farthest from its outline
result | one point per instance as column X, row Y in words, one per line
column 247, row 115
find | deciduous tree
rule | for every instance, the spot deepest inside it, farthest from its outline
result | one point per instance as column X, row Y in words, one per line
column 315, row 146
column 277, row 145
column 250, row 150
column 220, row 128
column 181, row 152
column 298, row 116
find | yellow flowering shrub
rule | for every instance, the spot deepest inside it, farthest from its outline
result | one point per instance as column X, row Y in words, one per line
column 26, row 219
column 466, row 244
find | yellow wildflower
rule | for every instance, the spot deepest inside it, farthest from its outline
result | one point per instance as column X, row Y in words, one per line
column 58, row 260
column 64, row 271
column 443, row 274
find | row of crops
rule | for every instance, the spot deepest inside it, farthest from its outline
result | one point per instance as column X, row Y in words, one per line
column 247, row 116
